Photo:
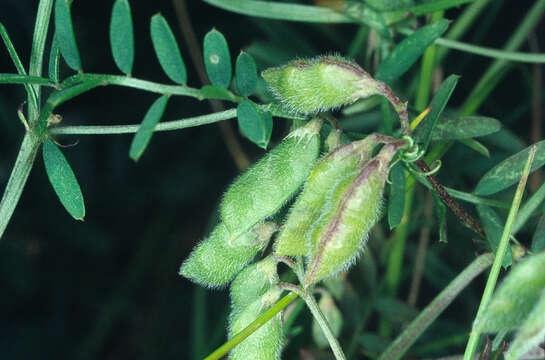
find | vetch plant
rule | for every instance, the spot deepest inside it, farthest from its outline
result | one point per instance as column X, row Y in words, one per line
column 293, row 225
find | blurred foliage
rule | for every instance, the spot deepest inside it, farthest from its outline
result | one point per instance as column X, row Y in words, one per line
column 108, row 288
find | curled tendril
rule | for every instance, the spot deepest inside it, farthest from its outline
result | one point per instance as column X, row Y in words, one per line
column 434, row 169
column 409, row 154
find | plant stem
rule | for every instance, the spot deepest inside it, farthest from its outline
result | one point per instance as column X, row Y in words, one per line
column 324, row 325
column 250, row 329
column 37, row 53
column 126, row 81
column 500, row 253
column 404, row 341
column 17, row 179
column 129, row 129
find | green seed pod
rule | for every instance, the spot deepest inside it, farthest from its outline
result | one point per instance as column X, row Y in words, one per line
column 265, row 343
column 338, row 239
column 217, row 259
column 253, row 282
column 515, row 297
column 264, row 188
column 310, row 86
column 333, row 317
column 327, row 181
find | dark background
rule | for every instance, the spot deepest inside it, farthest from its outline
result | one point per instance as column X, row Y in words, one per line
column 107, row 288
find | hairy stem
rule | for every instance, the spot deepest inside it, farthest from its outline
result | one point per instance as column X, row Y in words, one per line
column 324, row 325
column 403, row 342
column 17, row 179
column 500, row 253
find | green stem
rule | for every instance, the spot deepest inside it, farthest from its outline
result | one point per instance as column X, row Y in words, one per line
column 500, row 253
column 126, row 81
column 24, row 79
column 38, row 44
column 129, row 129
column 324, row 325
column 412, row 332
column 17, row 179
column 250, row 329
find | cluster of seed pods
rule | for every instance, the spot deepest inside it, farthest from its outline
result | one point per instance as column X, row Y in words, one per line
column 327, row 224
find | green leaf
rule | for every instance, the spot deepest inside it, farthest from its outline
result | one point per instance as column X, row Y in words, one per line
column 441, row 216
column 395, row 310
column 388, row 5
column 422, row 8
column 369, row 17
column 476, row 146
column 282, row 11
column 246, row 74
column 167, row 50
column 396, row 202
column 493, row 228
column 515, row 298
column 509, row 171
column 215, row 92
column 531, row 332
column 425, row 129
column 63, row 180
column 122, row 36
column 257, row 127
column 64, row 32
column 407, row 52
column 464, row 127
column 538, row 240
column 54, row 56
column 217, row 60
column 145, row 130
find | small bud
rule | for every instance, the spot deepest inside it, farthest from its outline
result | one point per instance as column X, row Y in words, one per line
column 217, row 259
column 333, row 317
column 340, row 238
column 327, row 181
column 310, row 86
column 264, row 188
column 333, row 140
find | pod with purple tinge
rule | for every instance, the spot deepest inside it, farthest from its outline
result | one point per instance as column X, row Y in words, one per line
column 217, row 259
column 328, row 180
column 341, row 234
column 264, row 188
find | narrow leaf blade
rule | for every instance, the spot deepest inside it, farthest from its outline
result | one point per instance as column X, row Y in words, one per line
column 396, row 202
column 509, row 171
column 441, row 216
column 145, row 131
column 54, row 57
column 538, row 240
column 407, row 52
column 257, row 127
column 464, row 127
column 63, row 180
column 167, row 50
column 425, row 129
column 66, row 38
column 122, row 36
column 217, row 59
column 246, row 74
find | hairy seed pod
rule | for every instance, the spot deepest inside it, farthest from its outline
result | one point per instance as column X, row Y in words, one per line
column 253, row 282
column 217, row 259
column 310, row 86
column 327, row 181
column 515, row 297
column 338, row 240
column 264, row 188
column 265, row 343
